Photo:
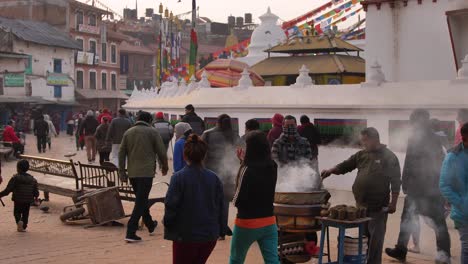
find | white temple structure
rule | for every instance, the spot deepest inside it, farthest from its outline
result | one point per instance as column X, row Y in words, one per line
column 268, row 34
column 424, row 69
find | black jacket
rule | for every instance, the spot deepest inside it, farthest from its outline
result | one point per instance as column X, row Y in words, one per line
column 24, row 188
column 424, row 157
column 197, row 124
column 311, row 133
column 41, row 127
column 193, row 206
column 255, row 192
column 89, row 126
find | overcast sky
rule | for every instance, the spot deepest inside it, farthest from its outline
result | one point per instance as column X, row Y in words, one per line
column 219, row 10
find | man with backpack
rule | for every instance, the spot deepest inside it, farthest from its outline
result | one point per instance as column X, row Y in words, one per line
column 164, row 128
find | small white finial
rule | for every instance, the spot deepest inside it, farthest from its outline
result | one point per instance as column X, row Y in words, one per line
column 376, row 75
column 245, row 81
column 192, row 85
column 269, row 10
column 204, row 83
column 304, row 78
column 463, row 71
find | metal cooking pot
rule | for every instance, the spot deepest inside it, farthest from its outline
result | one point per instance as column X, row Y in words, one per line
column 302, row 198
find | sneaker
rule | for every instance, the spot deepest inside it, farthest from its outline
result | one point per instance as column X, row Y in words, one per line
column 414, row 249
column 222, row 238
column 151, row 229
column 397, row 253
column 20, row 226
column 228, row 231
column 132, row 238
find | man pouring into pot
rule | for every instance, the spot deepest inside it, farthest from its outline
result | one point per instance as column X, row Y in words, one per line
column 378, row 176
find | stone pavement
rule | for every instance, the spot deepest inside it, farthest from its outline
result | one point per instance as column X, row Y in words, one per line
column 48, row 240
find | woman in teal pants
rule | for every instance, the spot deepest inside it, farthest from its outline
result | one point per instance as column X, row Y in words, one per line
column 255, row 191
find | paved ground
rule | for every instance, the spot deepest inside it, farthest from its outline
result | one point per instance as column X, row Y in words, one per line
column 50, row 241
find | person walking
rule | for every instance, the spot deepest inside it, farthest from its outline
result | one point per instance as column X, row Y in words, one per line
column 197, row 124
column 10, row 137
column 376, row 187
column 193, row 207
column 182, row 130
column 105, row 113
column 277, row 129
column 421, row 174
column 311, row 133
column 117, row 129
column 51, row 130
column 70, row 124
column 78, row 137
column 141, row 146
column 462, row 118
column 25, row 191
column 221, row 158
column 88, row 128
column 41, row 131
column 254, row 197
column 164, row 129
column 454, row 187
column 103, row 146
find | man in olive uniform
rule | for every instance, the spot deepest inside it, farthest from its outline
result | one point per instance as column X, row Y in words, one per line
column 376, row 187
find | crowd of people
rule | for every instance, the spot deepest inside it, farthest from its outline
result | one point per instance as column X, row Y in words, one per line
column 214, row 167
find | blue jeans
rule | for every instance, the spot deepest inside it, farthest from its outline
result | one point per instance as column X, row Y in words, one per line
column 463, row 231
column 243, row 238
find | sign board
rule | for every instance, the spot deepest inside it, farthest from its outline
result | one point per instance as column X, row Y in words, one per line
column 57, row 79
column 14, row 80
column 85, row 58
column 89, row 29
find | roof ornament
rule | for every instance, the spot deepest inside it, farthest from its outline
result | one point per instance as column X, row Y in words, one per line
column 244, row 82
column 204, row 83
column 377, row 77
column 304, row 78
column 193, row 85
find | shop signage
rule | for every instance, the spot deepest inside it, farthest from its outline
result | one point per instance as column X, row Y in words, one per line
column 57, row 79
column 88, row 29
column 14, row 80
column 85, row 58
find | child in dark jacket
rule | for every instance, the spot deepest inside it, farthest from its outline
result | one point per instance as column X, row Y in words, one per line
column 25, row 191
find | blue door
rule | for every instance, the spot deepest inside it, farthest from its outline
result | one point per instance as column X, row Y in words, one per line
column 57, row 66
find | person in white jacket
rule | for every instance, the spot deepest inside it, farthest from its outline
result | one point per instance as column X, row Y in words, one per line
column 52, row 130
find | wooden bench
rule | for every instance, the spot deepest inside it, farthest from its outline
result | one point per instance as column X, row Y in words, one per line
column 6, row 149
column 55, row 176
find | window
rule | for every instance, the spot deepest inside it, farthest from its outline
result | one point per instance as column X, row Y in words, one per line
column 80, row 43
column 104, row 51
column 79, row 19
column 92, row 80
column 57, row 65
column 28, row 65
column 92, row 20
column 104, row 81
column 113, row 53
column 114, row 81
column 342, row 132
column 92, row 46
column 79, row 79
column 57, row 91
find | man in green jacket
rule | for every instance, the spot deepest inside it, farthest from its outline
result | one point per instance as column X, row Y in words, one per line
column 378, row 176
column 141, row 146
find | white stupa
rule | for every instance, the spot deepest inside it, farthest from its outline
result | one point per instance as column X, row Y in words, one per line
column 265, row 36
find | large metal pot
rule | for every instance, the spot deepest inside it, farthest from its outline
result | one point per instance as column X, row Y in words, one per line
column 302, row 198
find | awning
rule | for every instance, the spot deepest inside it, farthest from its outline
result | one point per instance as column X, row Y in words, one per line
column 13, row 55
column 100, row 94
column 19, row 99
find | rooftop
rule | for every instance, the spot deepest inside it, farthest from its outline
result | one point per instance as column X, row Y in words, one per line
column 37, row 32
column 314, row 44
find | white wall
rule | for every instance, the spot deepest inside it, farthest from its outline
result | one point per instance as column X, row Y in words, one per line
column 43, row 61
column 412, row 42
column 12, row 65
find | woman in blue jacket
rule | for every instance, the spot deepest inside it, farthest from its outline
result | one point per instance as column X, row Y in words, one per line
column 182, row 130
column 193, row 207
column 454, row 187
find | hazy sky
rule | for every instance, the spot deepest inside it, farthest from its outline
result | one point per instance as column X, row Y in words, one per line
column 219, row 10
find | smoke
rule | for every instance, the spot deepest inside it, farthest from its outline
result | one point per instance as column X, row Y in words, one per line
column 298, row 177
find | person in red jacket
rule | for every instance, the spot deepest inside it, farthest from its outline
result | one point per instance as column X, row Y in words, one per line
column 105, row 113
column 10, row 137
column 277, row 129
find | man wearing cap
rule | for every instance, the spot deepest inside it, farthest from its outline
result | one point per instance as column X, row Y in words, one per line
column 165, row 129
column 194, row 120
column 141, row 146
